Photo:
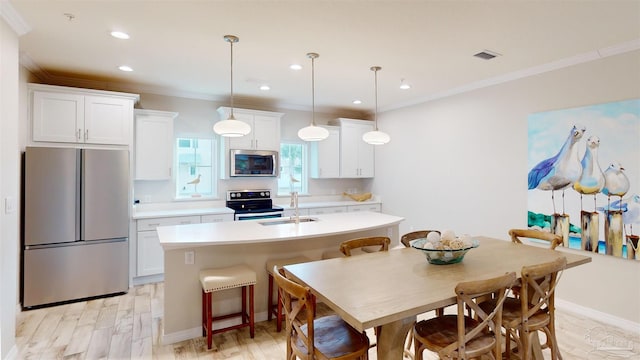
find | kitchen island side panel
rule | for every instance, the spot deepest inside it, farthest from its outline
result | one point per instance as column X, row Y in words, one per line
column 182, row 299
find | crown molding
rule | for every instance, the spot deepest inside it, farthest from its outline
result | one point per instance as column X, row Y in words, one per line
column 598, row 54
column 13, row 18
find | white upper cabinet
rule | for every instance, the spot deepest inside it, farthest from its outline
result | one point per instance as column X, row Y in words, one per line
column 265, row 129
column 325, row 155
column 154, row 144
column 264, row 135
column 356, row 156
column 73, row 115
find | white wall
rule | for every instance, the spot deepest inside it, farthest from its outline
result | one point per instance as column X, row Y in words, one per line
column 198, row 116
column 461, row 163
column 9, row 186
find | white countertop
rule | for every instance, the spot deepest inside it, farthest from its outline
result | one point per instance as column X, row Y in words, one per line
column 252, row 231
column 148, row 214
column 168, row 211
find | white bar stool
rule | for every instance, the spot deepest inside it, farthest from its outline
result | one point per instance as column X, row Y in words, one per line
column 223, row 279
column 276, row 309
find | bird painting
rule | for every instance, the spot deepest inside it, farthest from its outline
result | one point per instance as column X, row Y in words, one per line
column 630, row 207
column 591, row 180
column 616, row 181
column 195, row 183
column 560, row 171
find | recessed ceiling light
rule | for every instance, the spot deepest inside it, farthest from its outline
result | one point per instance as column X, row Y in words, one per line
column 404, row 85
column 357, row 102
column 125, row 68
column 265, row 87
column 295, row 67
column 120, row 35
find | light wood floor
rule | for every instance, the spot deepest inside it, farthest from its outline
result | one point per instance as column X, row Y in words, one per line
column 129, row 327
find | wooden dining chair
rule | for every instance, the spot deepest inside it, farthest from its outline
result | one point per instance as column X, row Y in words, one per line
column 518, row 234
column 347, row 246
column 533, row 311
column 310, row 338
column 406, row 240
column 408, row 237
column 461, row 336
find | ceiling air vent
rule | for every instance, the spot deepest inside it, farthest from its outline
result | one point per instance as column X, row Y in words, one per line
column 486, row 55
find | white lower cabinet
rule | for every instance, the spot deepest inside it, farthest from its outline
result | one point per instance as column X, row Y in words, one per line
column 327, row 210
column 364, row 207
column 216, row 218
column 150, row 256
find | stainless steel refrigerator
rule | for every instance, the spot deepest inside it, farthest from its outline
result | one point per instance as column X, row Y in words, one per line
column 76, row 224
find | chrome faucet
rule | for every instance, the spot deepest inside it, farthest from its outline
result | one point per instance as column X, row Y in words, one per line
column 294, row 205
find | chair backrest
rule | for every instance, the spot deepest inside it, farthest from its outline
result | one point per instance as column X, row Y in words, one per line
column 553, row 239
column 348, row 245
column 538, row 283
column 408, row 237
column 298, row 305
column 468, row 295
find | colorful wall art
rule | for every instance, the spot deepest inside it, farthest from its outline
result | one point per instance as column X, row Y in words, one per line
column 584, row 176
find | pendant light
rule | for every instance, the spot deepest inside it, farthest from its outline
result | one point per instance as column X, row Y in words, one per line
column 376, row 137
column 313, row 132
column 231, row 127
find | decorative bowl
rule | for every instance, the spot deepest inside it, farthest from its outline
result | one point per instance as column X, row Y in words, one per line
column 443, row 257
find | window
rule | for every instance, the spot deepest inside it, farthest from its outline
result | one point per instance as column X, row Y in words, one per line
column 196, row 169
column 293, row 168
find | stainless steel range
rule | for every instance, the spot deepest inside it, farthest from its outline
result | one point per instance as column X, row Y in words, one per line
column 252, row 204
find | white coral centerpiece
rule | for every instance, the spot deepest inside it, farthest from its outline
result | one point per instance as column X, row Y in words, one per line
column 447, row 241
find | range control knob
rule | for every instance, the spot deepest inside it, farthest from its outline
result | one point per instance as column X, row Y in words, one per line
column 267, row 194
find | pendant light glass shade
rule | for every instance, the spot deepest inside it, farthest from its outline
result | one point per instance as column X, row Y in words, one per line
column 313, row 132
column 376, row 137
column 231, row 127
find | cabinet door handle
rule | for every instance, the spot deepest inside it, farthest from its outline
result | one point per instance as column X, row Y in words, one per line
column 256, row 143
column 79, row 132
column 86, row 134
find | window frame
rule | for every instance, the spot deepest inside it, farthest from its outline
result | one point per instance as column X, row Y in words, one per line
column 303, row 189
column 215, row 163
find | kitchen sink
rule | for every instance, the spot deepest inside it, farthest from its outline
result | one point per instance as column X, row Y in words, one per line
column 288, row 221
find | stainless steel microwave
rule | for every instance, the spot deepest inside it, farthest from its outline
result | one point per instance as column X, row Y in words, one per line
column 253, row 163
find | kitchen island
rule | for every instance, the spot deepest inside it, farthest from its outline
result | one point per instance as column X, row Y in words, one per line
column 191, row 248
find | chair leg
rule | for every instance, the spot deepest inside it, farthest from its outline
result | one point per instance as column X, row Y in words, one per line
column 417, row 350
column 251, row 312
column 270, row 300
column 244, row 305
column 279, row 313
column 209, row 315
column 409, row 341
column 204, row 318
column 507, row 344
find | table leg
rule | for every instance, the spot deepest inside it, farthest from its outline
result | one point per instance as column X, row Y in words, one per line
column 536, row 348
column 391, row 337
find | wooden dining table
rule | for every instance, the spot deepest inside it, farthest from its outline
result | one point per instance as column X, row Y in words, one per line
column 389, row 289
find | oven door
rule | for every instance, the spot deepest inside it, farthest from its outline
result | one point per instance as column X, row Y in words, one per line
column 257, row 216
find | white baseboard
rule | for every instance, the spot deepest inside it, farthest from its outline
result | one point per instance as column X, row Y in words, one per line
column 187, row 334
column 142, row 280
column 13, row 353
column 600, row 316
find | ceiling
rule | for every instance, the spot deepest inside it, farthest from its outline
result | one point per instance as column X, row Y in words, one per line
column 177, row 47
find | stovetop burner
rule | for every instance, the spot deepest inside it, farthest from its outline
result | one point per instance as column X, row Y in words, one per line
column 251, row 201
